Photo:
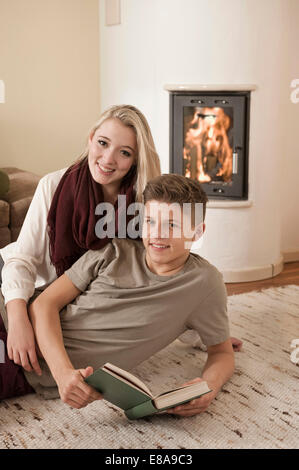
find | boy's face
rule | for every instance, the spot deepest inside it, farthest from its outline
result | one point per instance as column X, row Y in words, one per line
column 167, row 232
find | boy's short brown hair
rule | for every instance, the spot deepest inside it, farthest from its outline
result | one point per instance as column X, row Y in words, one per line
column 173, row 188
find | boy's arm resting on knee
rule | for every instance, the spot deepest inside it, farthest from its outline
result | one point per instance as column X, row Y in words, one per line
column 218, row 369
column 44, row 316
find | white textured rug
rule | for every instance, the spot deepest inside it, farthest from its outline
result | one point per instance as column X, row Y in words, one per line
column 258, row 408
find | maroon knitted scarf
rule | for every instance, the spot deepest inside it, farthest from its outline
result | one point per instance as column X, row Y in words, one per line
column 71, row 218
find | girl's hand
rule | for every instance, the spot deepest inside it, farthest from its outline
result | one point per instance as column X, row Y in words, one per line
column 196, row 406
column 73, row 390
column 21, row 346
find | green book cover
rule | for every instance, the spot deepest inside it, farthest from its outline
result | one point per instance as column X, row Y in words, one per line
column 148, row 408
column 115, row 390
column 140, row 411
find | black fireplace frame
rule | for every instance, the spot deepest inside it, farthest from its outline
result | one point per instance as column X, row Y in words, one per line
column 238, row 190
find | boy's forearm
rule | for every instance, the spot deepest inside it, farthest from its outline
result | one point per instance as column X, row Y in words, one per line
column 46, row 324
column 218, row 369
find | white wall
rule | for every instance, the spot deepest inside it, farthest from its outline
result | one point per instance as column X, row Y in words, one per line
column 195, row 41
column 290, row 155
column 49, row 61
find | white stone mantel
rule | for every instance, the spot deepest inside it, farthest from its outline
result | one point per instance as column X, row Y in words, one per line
column 228, row 203
column 209, row 87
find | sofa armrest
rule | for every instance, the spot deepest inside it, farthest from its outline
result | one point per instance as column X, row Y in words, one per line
column 5, row 234
column 18, row 199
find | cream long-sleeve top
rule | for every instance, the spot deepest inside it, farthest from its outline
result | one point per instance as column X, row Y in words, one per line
column 27, row 263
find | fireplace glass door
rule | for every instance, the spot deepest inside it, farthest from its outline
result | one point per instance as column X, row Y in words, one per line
column 209, row 141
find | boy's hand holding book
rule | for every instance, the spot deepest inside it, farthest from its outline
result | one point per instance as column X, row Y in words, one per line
column 73, row 389
column 196, row 406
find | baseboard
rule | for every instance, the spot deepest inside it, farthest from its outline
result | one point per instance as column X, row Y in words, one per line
column 290, row 256
column 256, row 273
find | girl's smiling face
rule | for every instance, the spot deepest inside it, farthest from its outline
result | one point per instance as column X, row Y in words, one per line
column 112, row 152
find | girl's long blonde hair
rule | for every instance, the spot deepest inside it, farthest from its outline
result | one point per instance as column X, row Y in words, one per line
column 147, row 160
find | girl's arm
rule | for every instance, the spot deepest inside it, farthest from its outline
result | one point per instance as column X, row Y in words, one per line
column 21, row 347
column 44, row 315
column 23, row 261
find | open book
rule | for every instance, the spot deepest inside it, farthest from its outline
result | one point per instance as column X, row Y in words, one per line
column 131, row 395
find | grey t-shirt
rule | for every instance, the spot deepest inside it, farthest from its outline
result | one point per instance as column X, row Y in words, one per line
column 126, row 313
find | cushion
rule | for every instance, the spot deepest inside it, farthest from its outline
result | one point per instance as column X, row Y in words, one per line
column 22, row 184
column 18, row 211
column 5, row 236
column 15, row 202
column 4, row 213
column 4, row 183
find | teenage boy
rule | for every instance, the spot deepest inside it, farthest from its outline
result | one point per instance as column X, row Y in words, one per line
column 124, row 303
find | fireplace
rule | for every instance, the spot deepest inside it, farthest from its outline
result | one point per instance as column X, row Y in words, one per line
column 209, row 135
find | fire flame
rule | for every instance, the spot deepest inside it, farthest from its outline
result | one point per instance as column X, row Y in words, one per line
column 207, row 152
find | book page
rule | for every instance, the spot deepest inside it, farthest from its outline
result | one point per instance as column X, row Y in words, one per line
column 185, row 393
column 171, row 391
column 126, row 377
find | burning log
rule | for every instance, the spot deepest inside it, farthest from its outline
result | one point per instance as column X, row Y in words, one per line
column 207, row 152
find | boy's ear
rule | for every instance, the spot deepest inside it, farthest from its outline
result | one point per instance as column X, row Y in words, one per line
column 199, row 231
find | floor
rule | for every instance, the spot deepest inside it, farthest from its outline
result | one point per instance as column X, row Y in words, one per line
column 257, row 409
column 289, row 275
